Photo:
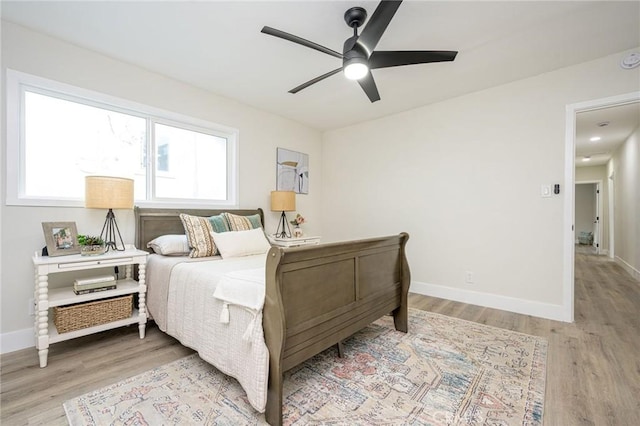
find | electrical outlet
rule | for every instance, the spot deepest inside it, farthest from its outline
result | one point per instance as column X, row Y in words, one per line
column 32, row 307
column 468, row 277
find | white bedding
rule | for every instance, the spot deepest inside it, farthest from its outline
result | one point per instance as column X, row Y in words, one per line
column 181, row 300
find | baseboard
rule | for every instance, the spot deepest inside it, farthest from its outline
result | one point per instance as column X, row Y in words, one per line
column 504, row 303
column 627, row 267
column 23, row 339
column 17, row 340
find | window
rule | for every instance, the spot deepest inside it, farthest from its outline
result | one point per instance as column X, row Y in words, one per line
column 186, row 174
column 163, row 157
column 59, row 134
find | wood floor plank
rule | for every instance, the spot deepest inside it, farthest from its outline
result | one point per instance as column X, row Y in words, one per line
column 593, row 367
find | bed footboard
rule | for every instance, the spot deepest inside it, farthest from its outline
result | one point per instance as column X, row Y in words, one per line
column 317, row 296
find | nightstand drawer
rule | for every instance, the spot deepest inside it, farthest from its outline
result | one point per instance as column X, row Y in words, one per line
column 92, row 263
column 295, row 242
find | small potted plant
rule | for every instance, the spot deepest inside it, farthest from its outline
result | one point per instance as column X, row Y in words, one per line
column 90, row 245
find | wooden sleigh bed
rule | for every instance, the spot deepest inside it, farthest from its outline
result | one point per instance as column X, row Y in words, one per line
column 315, row 296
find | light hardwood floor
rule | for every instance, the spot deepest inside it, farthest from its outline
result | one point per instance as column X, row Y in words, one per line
column 593, row 365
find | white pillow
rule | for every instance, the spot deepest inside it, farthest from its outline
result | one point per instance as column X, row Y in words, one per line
column 241, row 243
column 169, row 245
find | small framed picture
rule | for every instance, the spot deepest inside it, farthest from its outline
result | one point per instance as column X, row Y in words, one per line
column 61, row 238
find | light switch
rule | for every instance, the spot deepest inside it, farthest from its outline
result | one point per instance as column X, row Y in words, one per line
column 545, row 191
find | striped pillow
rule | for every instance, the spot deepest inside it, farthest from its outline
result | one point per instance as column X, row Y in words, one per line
column 242, row 223
column 198, row 231
column 219, row 223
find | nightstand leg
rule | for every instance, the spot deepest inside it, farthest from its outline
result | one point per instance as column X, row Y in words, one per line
column 43, row 354
column 142, row 302
column 42, row 318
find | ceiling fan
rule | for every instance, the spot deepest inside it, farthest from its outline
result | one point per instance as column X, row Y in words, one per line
column 358, row 54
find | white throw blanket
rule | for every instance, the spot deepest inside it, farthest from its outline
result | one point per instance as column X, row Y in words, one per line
column 245, row 288
column 242, row 288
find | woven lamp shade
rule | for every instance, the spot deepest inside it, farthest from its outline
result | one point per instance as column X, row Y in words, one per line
column 283, row 201
column 107, row 192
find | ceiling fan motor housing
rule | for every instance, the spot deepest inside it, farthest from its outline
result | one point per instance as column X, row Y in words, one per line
column 355, row 17
column 352, row 49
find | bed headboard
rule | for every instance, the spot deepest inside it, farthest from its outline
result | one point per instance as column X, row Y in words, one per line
column 152, row 222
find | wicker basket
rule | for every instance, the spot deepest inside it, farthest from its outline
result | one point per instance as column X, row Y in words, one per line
column 83, row 315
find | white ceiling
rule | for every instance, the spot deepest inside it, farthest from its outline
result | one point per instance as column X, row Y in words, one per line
column 621, row 121
column 218, row 46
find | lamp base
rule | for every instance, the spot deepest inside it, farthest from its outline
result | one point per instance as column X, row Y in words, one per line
column 284, row 225
column 109, row 237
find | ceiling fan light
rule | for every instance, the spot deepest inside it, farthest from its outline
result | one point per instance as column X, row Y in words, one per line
column 355, row 70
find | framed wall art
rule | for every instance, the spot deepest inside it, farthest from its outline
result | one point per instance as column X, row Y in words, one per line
column 61, row 238
column 292, row 171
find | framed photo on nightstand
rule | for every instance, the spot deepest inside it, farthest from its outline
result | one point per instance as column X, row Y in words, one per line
column 61, row 238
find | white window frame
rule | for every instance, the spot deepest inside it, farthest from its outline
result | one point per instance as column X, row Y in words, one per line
column 17, row 82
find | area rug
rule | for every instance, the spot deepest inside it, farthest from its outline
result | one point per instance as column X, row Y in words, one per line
column 445, row 371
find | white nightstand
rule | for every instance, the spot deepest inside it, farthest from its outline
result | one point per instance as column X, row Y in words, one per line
column 45, row 330
column 294, row 242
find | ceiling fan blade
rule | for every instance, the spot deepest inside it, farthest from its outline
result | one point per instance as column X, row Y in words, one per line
column 301, row 41
column 315, row 80
column 384, row 59
column 378, row 22
column 369, row 86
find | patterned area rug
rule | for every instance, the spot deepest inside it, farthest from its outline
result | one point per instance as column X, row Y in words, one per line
column 445, row 371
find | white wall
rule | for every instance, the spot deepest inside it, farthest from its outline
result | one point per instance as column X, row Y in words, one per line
column 463, row 177
column 260, row 134
column 625, row 166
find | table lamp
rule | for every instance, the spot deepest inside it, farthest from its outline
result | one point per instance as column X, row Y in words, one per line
column 107, row 192
column 283, row 201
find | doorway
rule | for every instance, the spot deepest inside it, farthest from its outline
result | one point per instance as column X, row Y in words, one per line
column 588, row 216
column 569, row 196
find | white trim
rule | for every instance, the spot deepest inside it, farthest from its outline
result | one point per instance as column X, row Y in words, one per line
column 504, row 303
column 627, row 267
column 17, row 340
column 612, row 222
column 599, row 227
column 569, row 194
column 569, row 214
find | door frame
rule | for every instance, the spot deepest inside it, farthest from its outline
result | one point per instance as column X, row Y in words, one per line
column 568, row 284
column 611, row 182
